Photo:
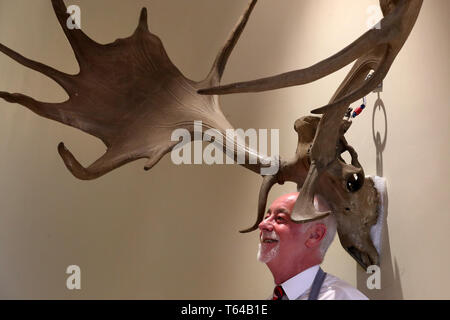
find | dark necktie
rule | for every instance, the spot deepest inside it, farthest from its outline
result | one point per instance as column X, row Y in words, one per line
column 278, row 293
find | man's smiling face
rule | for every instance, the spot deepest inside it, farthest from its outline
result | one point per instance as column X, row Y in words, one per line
column 280, row 237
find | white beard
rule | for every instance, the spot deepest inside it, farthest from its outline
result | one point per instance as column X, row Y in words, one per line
column 265, row 254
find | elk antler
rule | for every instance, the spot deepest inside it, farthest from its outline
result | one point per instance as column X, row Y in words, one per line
column 130, row 95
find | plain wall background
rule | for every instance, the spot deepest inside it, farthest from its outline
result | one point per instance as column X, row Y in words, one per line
column 172, row 233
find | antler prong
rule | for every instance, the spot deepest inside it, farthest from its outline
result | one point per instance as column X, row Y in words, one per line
column 143, row 20
column 156, row 156
column 79, row 41
column 109, row 161
column 76, row 168
column 219, row 65
column 266, row 185
column 47, row 110
column 303, row 76
column 304, row 210
column 63, row 79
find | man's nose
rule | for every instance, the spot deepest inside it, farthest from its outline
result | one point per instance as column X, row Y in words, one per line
column 265, row 225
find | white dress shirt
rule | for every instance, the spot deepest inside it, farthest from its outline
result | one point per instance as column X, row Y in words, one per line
column 299, row 286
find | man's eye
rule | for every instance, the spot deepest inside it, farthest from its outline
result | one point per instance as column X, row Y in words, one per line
column 281, row 219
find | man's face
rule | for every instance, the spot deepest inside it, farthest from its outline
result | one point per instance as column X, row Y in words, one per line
column 280, row 237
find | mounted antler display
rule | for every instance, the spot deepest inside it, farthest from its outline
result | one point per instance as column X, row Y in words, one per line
column 131, row 96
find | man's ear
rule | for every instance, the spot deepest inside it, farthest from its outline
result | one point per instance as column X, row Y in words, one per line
column 316, row 234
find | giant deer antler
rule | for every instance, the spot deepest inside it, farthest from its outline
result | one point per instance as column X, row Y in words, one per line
column 130, row 95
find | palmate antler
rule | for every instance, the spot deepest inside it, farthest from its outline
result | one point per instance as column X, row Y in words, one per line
column 130, row 95
column 352, row 197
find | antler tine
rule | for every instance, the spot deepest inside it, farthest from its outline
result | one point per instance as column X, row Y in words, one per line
column 219, row 65
column 113, row 158
column 79, row 41
column 110, row 160
column 303, row 76
column 63, row 79
column 267, row 184
column 143, row 20
column 60, row 112
column 53, row 111
column 395, row 28
column 304, row 210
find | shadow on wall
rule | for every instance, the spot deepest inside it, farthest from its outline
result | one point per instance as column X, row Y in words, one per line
column 380, row 144
column 391, row 287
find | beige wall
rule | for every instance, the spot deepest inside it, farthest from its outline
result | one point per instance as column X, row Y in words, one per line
column 172, row 233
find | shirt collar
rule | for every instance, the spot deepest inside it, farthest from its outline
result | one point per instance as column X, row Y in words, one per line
column 298, row 284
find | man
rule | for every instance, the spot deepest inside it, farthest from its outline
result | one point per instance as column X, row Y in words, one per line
column 294, row 251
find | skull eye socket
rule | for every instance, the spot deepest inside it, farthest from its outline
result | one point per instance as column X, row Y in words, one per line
column 354, row 183
column 346, row 157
